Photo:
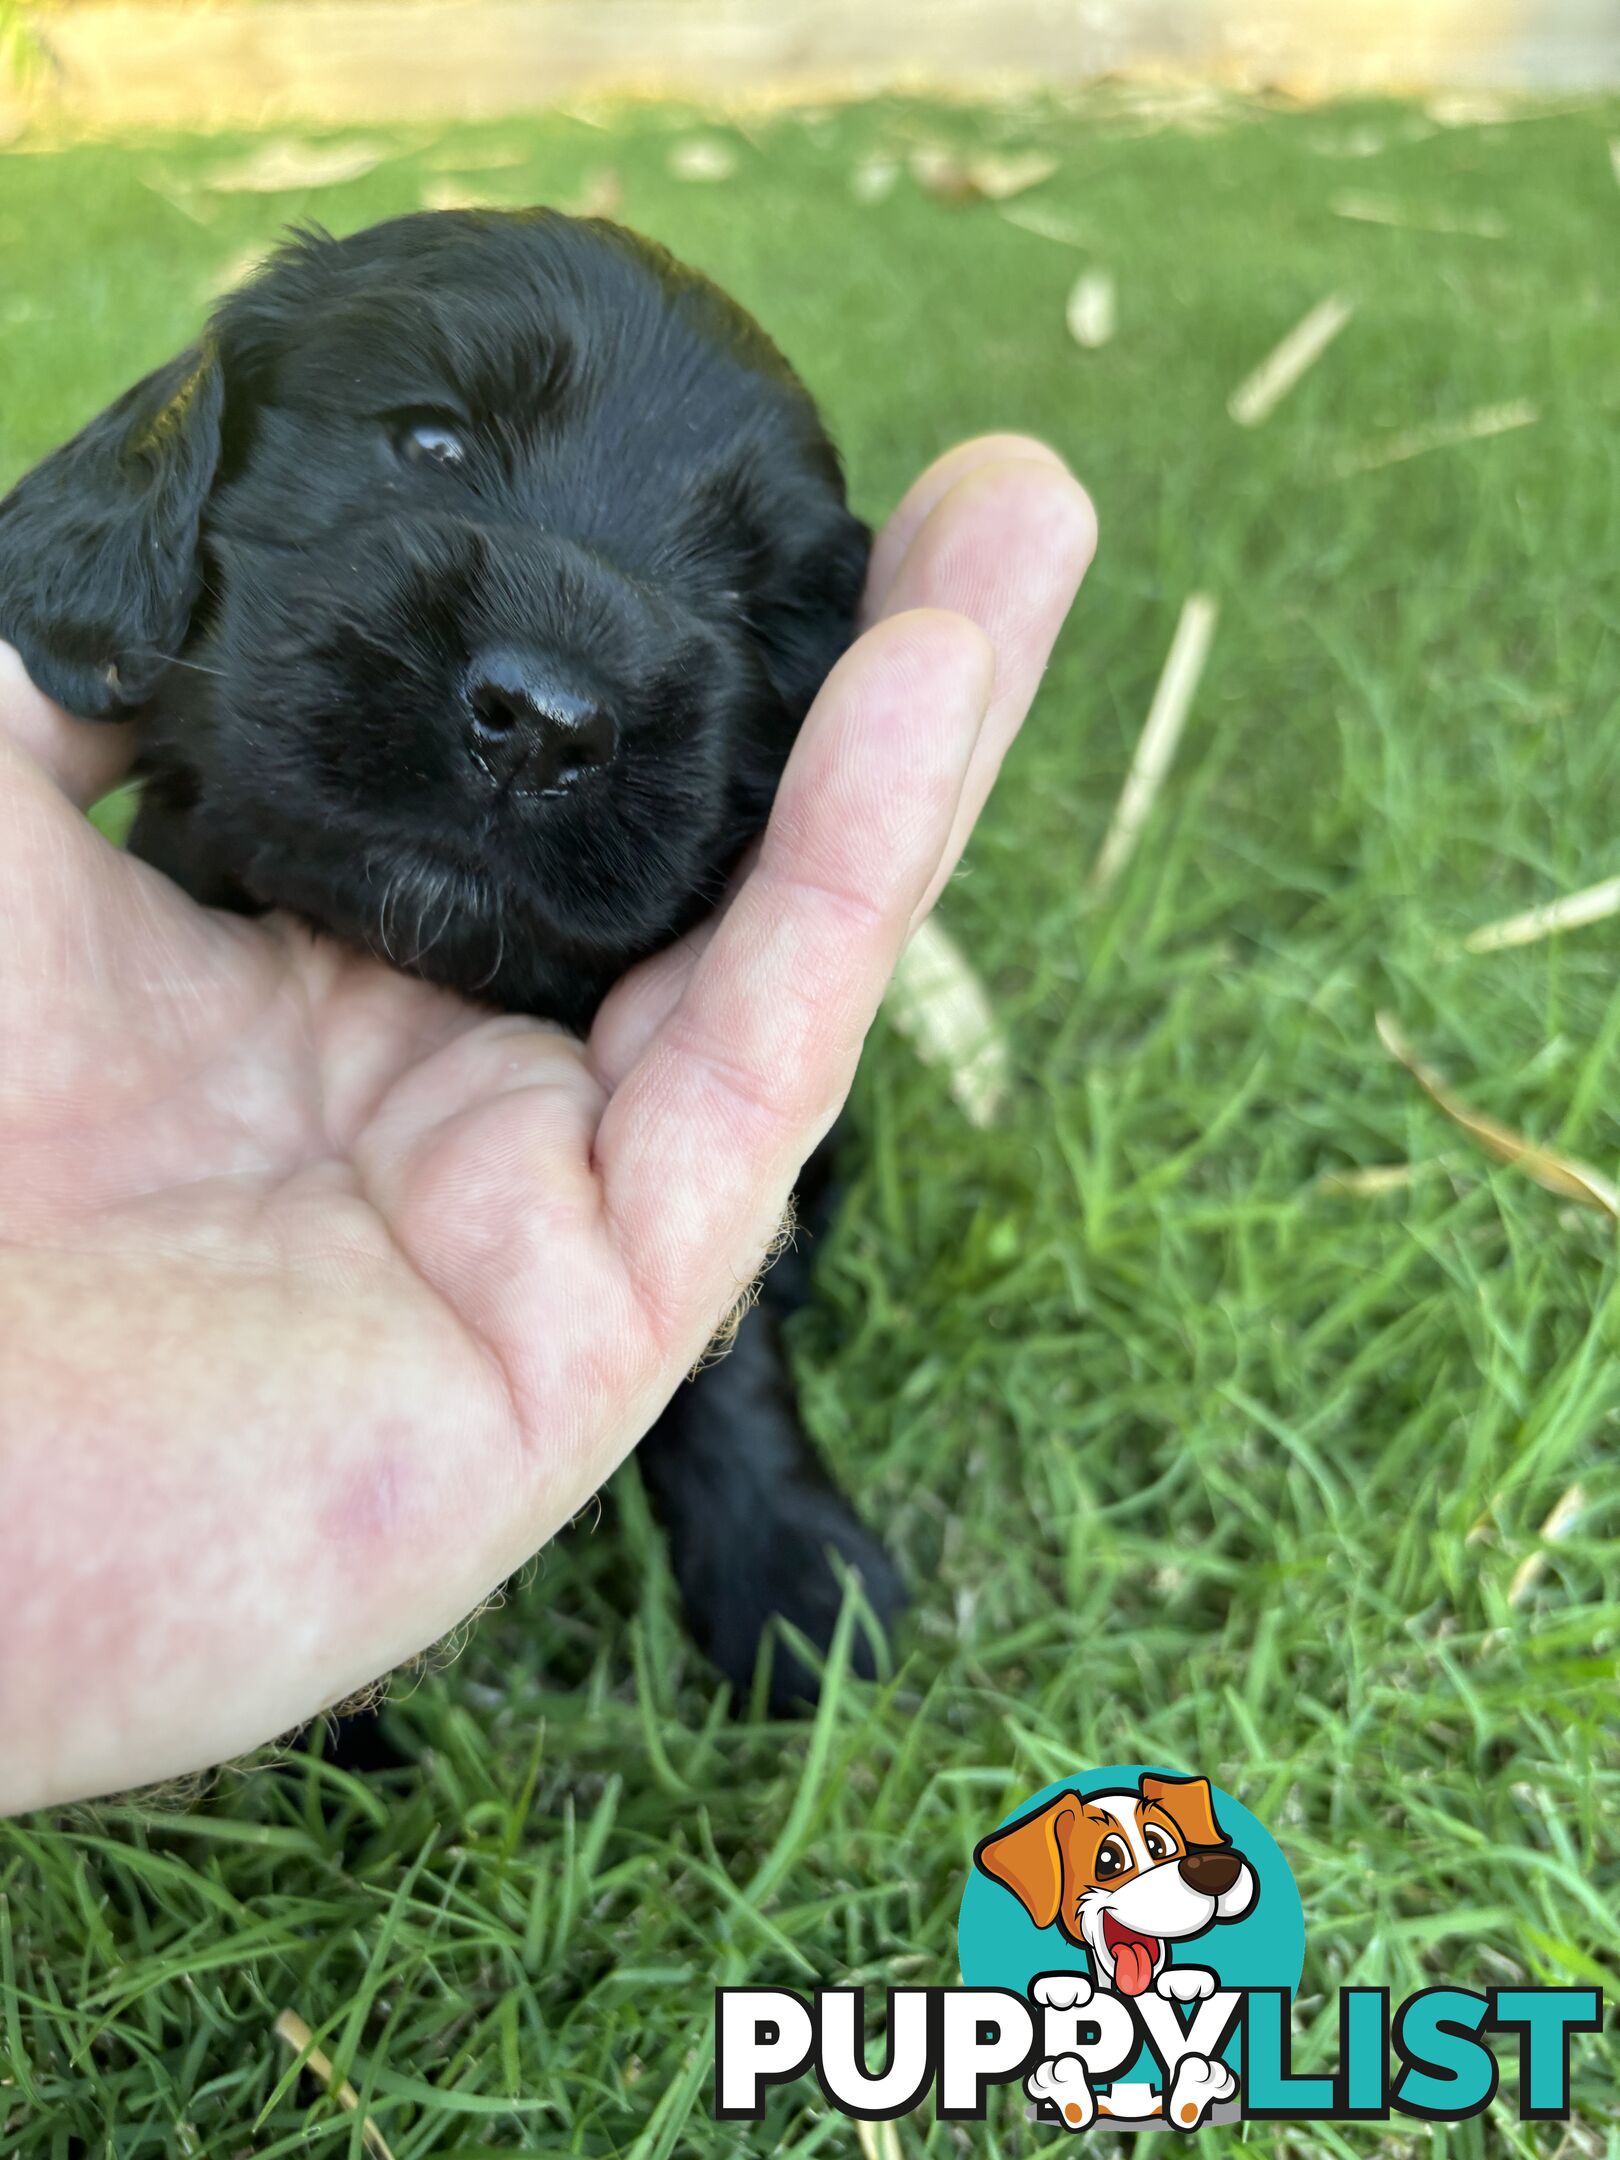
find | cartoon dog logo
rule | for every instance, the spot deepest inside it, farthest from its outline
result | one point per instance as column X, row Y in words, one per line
column 1126, row 1875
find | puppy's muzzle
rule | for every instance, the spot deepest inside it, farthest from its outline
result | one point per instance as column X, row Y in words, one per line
column 530, row 730
column 1211, row 1874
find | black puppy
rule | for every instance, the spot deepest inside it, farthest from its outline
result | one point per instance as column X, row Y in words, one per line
column 469, row 583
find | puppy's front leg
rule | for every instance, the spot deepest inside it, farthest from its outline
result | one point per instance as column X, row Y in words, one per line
column 750, row 1511
column 752, row 1515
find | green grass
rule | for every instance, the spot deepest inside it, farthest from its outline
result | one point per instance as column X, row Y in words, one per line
column 1191, row 1457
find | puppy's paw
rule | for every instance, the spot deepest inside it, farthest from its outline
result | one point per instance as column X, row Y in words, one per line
column 1062, row 2084
column 1184, row 1983
column 779, row 1566
column 1199, row 2083
column 752, row 1518
column 1062, row 1991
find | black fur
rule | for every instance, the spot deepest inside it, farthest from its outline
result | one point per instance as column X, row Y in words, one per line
column 265, row 555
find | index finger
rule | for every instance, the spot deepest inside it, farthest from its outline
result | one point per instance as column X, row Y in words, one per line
column 82, row 758
column 698, row 1148
column 998, row 530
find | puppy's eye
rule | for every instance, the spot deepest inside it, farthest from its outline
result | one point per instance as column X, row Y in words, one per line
column 424, row 439
column 1159, row 1846
column 1112, row 1859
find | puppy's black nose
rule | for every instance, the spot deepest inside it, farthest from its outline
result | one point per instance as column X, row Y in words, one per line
column 531, row 730
column 1212, row 1873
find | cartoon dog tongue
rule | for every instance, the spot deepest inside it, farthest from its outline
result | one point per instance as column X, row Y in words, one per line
column 1134, row 1957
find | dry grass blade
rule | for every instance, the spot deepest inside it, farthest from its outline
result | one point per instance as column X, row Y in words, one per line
column 939, row 1004
column 1045, row 224
column 1614, row 157
column 1167, row 715
column 1564, row 1515
column 1369, row 1183
column 286, row 166
column 291, row 2028
column 1093, row 311
column 878, row 2140
column 1561, row 1174
column 1259, row 394
column 1374, row 210
column 1594, row 903
column 1439, row 435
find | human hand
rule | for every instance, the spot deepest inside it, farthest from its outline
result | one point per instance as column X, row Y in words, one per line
column 325, row 1298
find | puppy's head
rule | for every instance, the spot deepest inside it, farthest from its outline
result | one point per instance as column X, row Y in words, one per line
column 470, row 580
column 1125, row 1874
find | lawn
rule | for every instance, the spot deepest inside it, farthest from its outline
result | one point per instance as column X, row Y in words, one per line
column 1216, row 1397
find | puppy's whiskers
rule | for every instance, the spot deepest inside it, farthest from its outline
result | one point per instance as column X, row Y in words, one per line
column 419, row 908
column 194, row 667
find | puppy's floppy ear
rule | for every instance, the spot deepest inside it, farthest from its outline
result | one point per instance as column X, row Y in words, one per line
column 1188, row 1803
column 1027, row 1857
column 804, row 614
column 99, row 567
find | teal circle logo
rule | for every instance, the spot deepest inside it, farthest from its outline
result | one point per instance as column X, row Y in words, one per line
column 1147, row 1881
column 1088, row 1885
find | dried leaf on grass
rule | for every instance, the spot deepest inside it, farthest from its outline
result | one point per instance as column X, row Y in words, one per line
column 939, row 1004
column 989, row 176
column 1403, row 443
column 1557, row 1173
column 285, row 166
column 1595, row 903
column 1167, row 715
column 1093, row 310
column 291, row 2028
column 1257, row 397
column 1565, row 1514
column 601, row 195
column 944, row 175
column 999, row 177
column 874, row 179
column 702, row 158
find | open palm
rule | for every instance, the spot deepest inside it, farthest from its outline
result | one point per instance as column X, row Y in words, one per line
column 325, row 1297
